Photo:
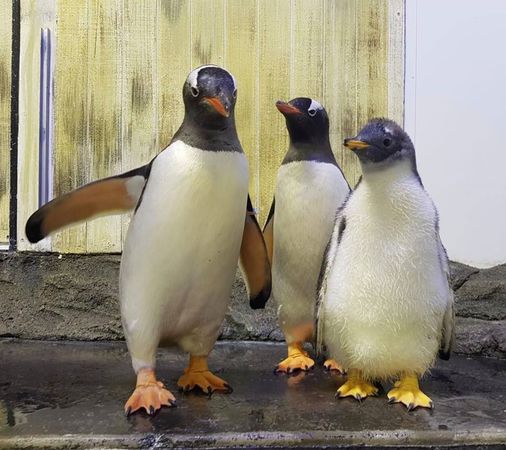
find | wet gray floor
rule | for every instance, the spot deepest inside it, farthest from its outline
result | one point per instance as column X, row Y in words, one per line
column 60, row 395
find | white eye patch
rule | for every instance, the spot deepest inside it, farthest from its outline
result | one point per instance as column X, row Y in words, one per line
column 194, row 75
column 314, row 106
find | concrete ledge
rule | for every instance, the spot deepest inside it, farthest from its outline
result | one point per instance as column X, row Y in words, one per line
column 51, row 296
column 303, row 440
column 71, row 395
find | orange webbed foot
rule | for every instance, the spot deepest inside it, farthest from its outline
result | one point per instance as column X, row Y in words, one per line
column 357, row 387
column 149, row 394
column 407, row 391
column 333, row 365
column 197, row 374
column 298, row 359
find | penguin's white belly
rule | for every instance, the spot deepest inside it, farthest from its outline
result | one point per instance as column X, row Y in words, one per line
column 386, row 292
column 307, row 196
column 182, row 247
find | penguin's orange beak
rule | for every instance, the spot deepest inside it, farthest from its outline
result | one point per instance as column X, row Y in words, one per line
column 355, row 144
column 215, row 102
column 286, row 108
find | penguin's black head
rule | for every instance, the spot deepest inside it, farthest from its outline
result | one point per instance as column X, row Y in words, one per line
column 306, row 120
column 381, row 142
column 209, row 95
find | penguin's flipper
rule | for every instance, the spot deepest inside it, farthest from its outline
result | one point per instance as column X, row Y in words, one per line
column 329, row 257
column 111, row 195
column 448, row 331
column 254, row 261
column 269, row 231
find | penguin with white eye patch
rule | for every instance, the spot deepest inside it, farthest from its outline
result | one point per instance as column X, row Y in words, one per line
column 310, row 187
column 193, row 219
column 385, row 302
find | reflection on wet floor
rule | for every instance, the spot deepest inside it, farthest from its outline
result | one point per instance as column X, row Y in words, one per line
column 80, row 388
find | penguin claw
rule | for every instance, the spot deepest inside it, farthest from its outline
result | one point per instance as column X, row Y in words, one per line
column 330, row 365
column 206, row 381
column 409, row 394
column 150, row 397
column 294, row 363
column 357, row 388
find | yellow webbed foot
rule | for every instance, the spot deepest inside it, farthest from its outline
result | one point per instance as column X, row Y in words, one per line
column 298, row 359
column 197, row 374
column 332, row 364
column 149, row 394
column 356, row 386
column 407, row 391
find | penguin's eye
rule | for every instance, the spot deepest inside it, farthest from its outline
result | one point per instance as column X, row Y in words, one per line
column 195, row 91
column 235, row 93
column 387, row 142
column 311, row 112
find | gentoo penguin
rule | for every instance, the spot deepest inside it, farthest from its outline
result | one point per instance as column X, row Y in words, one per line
column 192, row 220
column 385, row 303
column 310, row 187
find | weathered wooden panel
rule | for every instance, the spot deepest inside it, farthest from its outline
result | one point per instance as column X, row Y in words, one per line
column 273, row 85
column 208, row 32
column 372, row 73
column 104, row 111
column 339, row 77
column 121, row 66
column 5, row 117
column 306, row 49
column 35, row 14
column 174, row 64
column 395, row 61
column 72, row 153
column 241, row 56
column 139, row 103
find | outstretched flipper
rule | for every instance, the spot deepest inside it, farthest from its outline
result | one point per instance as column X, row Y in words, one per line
column 254, row 261
column 269, row 231
column 111, row 195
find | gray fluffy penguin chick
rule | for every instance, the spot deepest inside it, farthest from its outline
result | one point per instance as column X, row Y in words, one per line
column 385, row 302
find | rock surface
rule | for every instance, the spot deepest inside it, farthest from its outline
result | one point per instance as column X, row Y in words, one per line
column 51, row 296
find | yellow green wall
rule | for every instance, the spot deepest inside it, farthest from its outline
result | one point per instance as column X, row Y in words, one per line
column 121, row 66
column 5, row 117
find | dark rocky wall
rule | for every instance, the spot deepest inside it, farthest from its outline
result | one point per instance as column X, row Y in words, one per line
column 51, row 296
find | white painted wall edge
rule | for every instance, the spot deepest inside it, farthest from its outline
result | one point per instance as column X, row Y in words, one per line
column 454, row 111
